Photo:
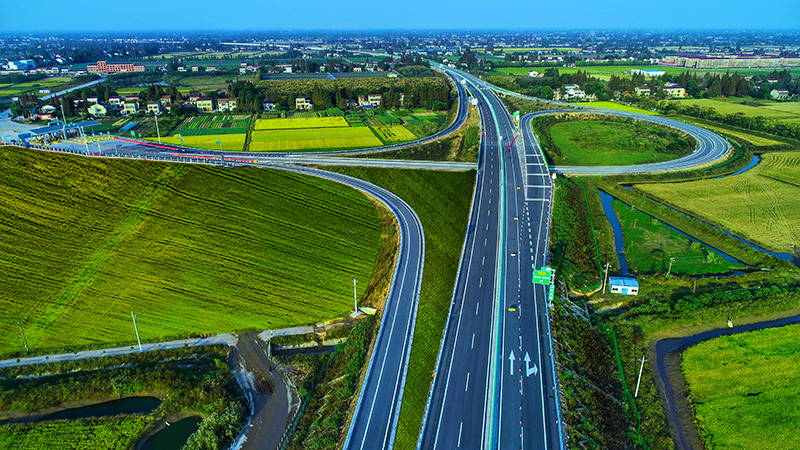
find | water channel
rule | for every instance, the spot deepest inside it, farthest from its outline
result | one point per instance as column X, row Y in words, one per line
column 127, row 405
column 173, row 436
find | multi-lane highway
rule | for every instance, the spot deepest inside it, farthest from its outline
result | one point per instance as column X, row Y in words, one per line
column 494, row 382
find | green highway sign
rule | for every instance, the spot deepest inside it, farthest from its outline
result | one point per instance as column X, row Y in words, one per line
column 542, row 276
column 551, row 293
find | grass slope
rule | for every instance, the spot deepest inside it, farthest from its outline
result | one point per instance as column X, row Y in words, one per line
column 746, row 388
column 191, row 249
column 649, row 244
column 442, row 201
column 605, row 142
column 761, row 204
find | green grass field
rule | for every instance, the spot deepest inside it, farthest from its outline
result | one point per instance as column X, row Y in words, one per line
column 299, row 123
column 784, row 111
column 100, row 433
column 230, row 142
column 442, row 201
column 190, row 249
column 620, row 107
column 649, row 244
column 598, row 142
column 745, row 389
column 761, row 204
column 308, row 139
column 758, row 141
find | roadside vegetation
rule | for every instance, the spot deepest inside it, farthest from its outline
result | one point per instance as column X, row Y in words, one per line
column 442, row 201
column 749, row 378
column 88, row 241
column 187, row 382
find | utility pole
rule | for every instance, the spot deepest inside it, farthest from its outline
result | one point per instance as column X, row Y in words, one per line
column 155, row 114
column 64, row 121
column 24, row 342
column 640, row 377
column 133, row 316
column 671, row 260
column 355, row 295
column 605, row 277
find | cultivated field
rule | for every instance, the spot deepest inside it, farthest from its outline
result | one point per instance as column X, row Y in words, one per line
column 745, row 389
column 649, row 244
column 306, row 139
column 394, row 134
column 758, row 141
column 213, row 124
column 605, row 72
column 85, row 242
column 761, row 204
column 785, row 111
column 53, row 83
column 230, row 142
column 297, row 123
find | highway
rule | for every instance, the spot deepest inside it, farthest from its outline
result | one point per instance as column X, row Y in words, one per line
column 493, row 387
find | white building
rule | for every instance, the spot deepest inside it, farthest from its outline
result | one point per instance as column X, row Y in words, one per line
column 623, row 285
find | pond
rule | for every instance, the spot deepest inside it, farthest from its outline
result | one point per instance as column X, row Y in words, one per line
column 128, row 405
column 173, row 436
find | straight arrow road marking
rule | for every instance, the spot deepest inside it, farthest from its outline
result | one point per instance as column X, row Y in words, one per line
column 511, row 365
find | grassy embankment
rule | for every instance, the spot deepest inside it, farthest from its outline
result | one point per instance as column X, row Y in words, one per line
column 745, row 388
column 761, row 204
column 442, row 201
column 594, row 141
column 649, row 245
column 87, row 241
column 187, row 381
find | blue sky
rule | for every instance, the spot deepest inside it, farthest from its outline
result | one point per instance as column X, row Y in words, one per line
column 215, row 15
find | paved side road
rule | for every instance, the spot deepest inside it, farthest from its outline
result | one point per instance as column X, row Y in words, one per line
column 220, row 339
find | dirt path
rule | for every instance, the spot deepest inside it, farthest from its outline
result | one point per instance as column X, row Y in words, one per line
column 672, row 385
column 267, row 392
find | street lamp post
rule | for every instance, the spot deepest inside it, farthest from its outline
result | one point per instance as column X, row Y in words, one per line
column 157, row 132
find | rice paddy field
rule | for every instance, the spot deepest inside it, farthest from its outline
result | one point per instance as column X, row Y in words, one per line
column 758, row 141
column 745, row 389
column 783, row 111
column 761, row 204
column 84, row 242
column 296, row 123
column 620, row 107
column 233, row 142
column 308, row 139
column 394, row 134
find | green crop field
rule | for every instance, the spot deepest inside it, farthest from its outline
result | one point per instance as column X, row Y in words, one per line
column 745, row 389
column 105, row 432
column 785, row 111
column 213, row 124
column 649, row 244
column 595, row 142
column 758, row 141
column 190, row 249
column 306, row 139
column 442, row 201
column 394, row 134
column 302, row 122
column 620, row 107
column 761, row 204
column 230, row 142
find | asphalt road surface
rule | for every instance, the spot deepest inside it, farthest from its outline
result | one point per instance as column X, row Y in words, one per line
column 494, row 382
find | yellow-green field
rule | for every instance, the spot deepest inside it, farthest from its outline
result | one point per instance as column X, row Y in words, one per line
column 786, row 111
column 761, row 204
column 230, row 142
column 305, row 139
column 746, row 389
column 302, row 122
column 621, row 107
column 394, row 134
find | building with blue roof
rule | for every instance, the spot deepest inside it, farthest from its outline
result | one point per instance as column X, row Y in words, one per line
column 624, row 285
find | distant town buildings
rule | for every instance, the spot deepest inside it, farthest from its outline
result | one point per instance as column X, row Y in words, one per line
column 103, row 68
column 648, row 72
column 642, row 90
column 730, row 61
column 674, row 92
